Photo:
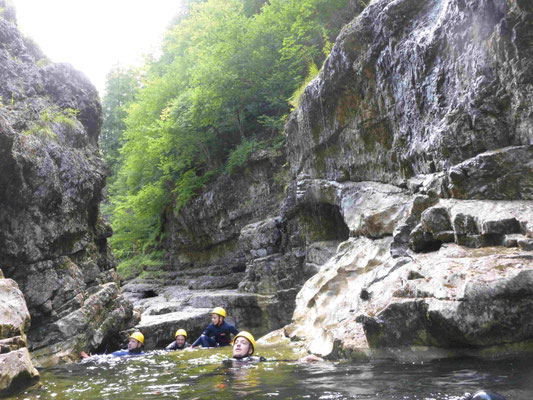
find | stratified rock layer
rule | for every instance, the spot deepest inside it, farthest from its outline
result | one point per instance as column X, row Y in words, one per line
column 53, row 241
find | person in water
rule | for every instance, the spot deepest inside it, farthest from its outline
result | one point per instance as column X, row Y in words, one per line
column 485, row 395
column 244, row 347
column 135, row 346
column 180, row 341
column 218, row 333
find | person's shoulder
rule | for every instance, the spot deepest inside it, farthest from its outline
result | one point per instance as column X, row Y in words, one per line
column 228, row 325
column 171, row 346
column 244, row 361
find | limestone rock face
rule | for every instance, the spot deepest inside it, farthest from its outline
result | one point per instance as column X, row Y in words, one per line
column 419, row 129
column 53, row 240
column 416, row 136
column 456, row 301
column 413, row 87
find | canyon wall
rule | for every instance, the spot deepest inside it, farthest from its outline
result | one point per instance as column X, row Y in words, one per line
column 53, row 240
column 427, row 106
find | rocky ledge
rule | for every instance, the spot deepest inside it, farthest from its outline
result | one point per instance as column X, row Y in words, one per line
column 453, row 302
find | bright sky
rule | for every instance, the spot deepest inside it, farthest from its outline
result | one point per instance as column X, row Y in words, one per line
column 95, row 35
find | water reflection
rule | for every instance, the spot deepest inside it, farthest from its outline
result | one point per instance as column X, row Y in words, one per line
column 200, row 374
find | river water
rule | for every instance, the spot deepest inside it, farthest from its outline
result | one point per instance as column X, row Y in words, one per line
column 201, row 374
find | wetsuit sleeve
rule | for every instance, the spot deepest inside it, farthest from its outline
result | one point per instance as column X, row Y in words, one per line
column 210, row 330
column 171, row 346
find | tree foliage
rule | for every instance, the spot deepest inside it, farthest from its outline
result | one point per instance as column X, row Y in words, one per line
column 222, row 85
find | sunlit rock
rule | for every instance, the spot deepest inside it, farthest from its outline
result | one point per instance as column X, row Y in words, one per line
column 455, row 301
column 473, row 223
column 16, row 368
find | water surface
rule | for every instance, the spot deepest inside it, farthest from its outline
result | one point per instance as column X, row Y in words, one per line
column 201, row 374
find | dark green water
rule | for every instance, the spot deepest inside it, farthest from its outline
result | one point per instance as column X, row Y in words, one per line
column 200, row 374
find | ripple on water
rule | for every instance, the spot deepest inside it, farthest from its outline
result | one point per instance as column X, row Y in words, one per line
column 200, row 374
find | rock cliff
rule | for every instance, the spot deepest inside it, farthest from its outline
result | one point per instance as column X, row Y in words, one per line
column 53, row 240
column 406, row 197
column 427, row 105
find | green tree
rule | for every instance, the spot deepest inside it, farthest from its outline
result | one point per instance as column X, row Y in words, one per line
column 122, row 86
column 220, row 89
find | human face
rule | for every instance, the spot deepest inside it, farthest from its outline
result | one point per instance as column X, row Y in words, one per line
column 242, row 348
column 134, row 344
column 180, row 340
column 216, row 319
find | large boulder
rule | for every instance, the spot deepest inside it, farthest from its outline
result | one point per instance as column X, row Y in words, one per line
column 17, row 371
column 16, row 368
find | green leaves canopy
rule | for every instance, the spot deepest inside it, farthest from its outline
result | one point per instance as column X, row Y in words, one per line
column 222, row 84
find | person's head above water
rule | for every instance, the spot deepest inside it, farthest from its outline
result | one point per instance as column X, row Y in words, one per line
column 486, row 395
column 136, row 342
column 180, row 337
column 243, row 345
column 217, row 315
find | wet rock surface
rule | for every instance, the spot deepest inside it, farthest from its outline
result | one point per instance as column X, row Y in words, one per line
column 166, row 308
column 415, row 87
column 452, row 302
column 433, row 100
column 53, row 240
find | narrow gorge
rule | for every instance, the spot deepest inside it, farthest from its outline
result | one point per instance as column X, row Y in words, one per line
column 397, row 220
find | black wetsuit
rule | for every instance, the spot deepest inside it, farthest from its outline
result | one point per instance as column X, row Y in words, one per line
column 233, row 362
column 174, row 346
column 216, row 335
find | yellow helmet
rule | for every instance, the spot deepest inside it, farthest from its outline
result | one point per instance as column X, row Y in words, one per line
column 138, row 336
column 246, row 335
column 181, row 332
column 220, row 311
